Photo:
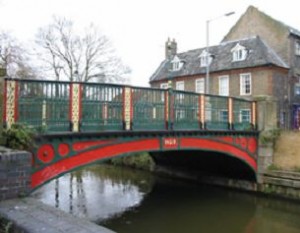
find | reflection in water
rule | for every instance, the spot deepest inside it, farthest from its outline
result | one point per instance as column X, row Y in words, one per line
column 96, row 193
column 128, row 201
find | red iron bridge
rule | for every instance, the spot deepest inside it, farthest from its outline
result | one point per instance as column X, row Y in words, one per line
column 82, row 123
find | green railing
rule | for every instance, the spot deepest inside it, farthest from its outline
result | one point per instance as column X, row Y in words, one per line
column 67, row 106
column 148, row 109
column 101, row 107
column 216, row 112
column 242, row 114
column 43, row 104
column 185, row 110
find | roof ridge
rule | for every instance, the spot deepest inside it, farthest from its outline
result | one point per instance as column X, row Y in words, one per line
column 274, row 53
column 218, row 45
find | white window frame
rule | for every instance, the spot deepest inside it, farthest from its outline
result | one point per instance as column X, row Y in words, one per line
column 248, row 115
column 239, row 53
column 163, row 86
column 200, row 85
column 224, row 90
column 297, row 48
column 221, row 116
column 297, row 88
column 243, row 87
column 180, row 85
column 176, row 64
column 205, row 58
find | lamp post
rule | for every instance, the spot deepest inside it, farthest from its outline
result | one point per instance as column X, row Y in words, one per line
column 207, row 48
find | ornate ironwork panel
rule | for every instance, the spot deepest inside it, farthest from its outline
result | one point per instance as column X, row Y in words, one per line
column 127, row 108
column 11, row 102
column 75, row 112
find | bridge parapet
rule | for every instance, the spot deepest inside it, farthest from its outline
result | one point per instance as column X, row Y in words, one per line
column 73, row 106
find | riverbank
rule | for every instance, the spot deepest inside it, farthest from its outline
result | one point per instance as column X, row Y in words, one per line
column 28, row 215
column 282, row 184
column 282, row 179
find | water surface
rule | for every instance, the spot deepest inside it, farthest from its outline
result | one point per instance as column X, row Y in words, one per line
column 131, row 201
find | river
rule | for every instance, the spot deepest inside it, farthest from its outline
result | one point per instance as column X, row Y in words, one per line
column 132, row 201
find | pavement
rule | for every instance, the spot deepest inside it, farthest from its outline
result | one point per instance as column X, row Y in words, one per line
column 31, row 216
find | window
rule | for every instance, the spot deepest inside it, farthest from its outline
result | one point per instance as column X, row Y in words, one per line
column 224, row 85
column 163, row 86
column 245, row 116
column 223, row 117
column 205, row 58
column 176, row 64
column 180, row 86
column 245, row 84
column 297, row 89
column 199, row 85
column 297, row 48
column 239, row 53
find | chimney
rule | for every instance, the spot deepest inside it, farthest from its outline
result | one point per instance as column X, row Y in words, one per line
column 170, row 48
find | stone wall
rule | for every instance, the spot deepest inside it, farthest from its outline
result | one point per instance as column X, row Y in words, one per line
column 15, row 173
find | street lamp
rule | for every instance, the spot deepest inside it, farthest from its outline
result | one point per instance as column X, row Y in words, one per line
column 207, row 48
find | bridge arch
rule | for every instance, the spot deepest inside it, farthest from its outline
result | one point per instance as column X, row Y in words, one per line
column 60, row 154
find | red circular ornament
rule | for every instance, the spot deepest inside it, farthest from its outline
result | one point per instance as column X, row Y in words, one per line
column 63, row 149
column 45, row 153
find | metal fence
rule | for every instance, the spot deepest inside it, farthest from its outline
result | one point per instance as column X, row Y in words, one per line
column 65, row 106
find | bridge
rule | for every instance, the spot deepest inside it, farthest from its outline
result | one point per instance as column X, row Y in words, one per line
column 82, row 123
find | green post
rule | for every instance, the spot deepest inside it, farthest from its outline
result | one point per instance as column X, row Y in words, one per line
column 2, row 86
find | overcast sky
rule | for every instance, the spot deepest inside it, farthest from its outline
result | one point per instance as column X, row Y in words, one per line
column 139, row 28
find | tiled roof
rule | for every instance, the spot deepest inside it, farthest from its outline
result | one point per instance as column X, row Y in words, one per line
column 259, row 54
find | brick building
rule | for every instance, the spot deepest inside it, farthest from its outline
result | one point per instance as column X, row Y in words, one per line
column 260, row 56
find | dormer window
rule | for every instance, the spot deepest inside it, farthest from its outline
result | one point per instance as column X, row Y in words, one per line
column 205, row 58
column 239, row 53
column 176, row 64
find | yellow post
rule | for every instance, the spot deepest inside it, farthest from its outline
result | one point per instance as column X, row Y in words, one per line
column 75, row 106
column 127, row 108
column 10, row 98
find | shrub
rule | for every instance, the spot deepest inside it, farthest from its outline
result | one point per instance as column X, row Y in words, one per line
column 18, row 137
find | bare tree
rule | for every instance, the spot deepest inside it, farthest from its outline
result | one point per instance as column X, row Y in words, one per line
column 14, row 58
column 88, row 56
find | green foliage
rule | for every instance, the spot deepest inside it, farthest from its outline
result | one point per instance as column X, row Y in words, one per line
column 18, row 137
column 5, row 226
column 273, row 167
column 140, row 161
column 269, row 136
